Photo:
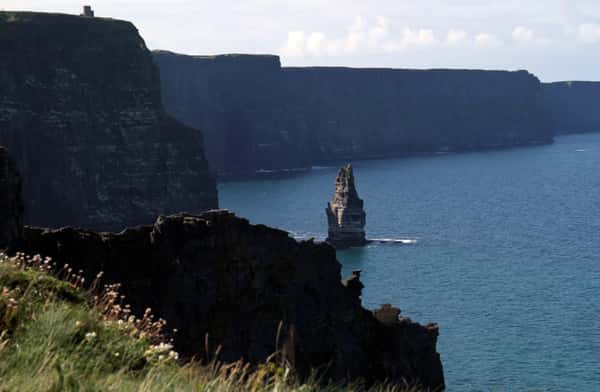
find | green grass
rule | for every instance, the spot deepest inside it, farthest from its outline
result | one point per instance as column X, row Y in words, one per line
column 56, row 336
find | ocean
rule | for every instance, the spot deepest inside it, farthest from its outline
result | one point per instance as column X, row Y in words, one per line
column 501, row 248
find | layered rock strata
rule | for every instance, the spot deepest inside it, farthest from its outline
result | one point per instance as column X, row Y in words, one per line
column 81, row 113
column 346, row 217
column 250, row 290
column 11, row 206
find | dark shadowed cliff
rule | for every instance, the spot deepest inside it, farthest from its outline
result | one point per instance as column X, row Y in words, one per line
column 239, row 291
column 11, row 203
column 573, row 107
column 81, row 113
column 258, row 115
column 251, row 290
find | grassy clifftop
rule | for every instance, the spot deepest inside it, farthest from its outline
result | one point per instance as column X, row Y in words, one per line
column 66, row 20
column 57, row 336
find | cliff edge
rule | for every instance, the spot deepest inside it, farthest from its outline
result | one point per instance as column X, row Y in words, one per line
column 250, row 290
column 81, row 113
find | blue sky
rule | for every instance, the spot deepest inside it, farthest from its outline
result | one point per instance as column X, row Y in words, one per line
column 554, row 39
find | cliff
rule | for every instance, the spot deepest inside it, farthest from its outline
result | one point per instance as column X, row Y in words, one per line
column 259, row 115
column 81, row 113
column 250, row 290
column 346, row 216
column 572, row 107
column 11, row 205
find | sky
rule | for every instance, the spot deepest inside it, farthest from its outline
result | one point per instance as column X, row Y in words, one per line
column 553, row 39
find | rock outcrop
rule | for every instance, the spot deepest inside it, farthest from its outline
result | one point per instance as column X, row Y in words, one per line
column 572, row 107
column 258, row 115
column 346, row 217
column 11, row 206
column 81, row 113
column 250, row 290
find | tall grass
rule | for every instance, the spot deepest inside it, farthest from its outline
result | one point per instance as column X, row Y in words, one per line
column 57, row 336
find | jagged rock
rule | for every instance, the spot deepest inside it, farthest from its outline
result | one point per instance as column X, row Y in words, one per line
column 11, row 206
column 354, row 284
column 217, row 275
column 387, row 314
column 346, row 217
column 81, row 113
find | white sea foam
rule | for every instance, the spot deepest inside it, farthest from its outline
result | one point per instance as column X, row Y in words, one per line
column 404, row 241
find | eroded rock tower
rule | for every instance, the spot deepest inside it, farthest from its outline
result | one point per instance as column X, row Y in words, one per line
column 346, row 217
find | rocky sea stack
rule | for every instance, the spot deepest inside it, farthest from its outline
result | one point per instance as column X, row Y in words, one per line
column 11, row 207
column 346, row 217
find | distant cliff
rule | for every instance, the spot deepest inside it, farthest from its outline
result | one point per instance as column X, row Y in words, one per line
column 573, row 107
column 258, row 115
column 81, row 113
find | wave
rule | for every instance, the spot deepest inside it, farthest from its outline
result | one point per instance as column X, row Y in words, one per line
column 403, row 241
column 303, row 236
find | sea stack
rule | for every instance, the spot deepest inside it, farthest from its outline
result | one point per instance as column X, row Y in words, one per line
column 346, row 217
column 11, row 206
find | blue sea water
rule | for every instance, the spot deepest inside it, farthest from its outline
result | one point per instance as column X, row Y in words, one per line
column 507, row 258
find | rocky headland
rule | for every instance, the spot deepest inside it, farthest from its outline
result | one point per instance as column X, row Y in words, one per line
column 236, row 291
column 81, row 114
column 346, row 217
column 251, row 291
column 259, row 116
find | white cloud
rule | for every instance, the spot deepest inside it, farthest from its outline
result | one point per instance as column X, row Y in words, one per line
column 295, row 44
column 455, row 37
column 378, row 32
column 315, row 43
column 485, row 40
column 525, row 36
column 588, row 33
column 360, row 38
column 522, row 34
column 421, row 37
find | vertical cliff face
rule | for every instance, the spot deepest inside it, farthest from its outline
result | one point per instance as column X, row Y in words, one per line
column 236, row 99
column 252, row 291
column 81, row 112
column 346, row 217
column 572, row 107
column 11, row 206
column 296, row 117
